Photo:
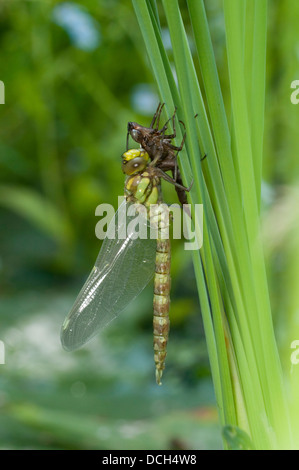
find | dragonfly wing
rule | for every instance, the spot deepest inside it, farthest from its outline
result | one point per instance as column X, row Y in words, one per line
column 122, row 269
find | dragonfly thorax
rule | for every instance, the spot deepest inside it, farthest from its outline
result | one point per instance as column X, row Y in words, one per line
column 143, row 188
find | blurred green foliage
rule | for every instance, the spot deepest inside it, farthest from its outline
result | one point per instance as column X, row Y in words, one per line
column 75, row 73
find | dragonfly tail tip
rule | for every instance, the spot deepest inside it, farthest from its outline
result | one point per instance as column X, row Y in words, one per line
column 159, row 373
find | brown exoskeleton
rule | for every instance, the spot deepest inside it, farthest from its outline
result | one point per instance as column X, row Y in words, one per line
column 162, row 152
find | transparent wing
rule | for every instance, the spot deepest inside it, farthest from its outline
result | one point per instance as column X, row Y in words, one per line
column 122, row 269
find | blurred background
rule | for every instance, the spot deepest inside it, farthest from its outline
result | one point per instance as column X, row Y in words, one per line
column 75, row 73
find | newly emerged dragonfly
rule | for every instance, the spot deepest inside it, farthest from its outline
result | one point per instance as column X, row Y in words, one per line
column 125, row 265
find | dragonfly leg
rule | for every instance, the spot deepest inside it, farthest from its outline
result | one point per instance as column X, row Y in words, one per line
column 177, row 149
column 157, row 158
column 164, row 128
column 173, row 181
column 156, row 116
column 127, row 146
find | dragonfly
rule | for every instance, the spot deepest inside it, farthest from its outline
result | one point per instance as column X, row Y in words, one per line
column 125, row 265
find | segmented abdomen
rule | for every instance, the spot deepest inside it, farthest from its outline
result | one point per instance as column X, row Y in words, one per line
column 161, row 305
column 144, row 189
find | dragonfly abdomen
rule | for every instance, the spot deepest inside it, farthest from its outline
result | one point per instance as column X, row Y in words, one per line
column 143, row 186
column 161, row 305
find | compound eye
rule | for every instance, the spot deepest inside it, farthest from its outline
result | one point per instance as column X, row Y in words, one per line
column 133, row 166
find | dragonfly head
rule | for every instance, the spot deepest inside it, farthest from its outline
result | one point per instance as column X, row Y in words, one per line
column 134, row 161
